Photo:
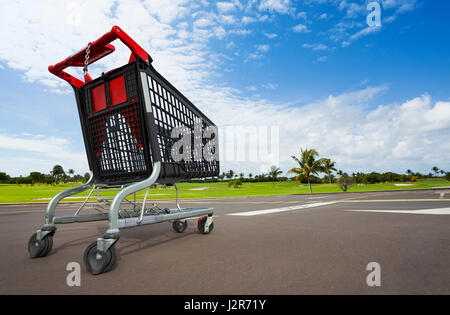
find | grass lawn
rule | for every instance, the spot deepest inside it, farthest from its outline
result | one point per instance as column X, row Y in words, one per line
column 42, row 193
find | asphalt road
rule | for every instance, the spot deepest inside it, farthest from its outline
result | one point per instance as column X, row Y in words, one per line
column 319, row 244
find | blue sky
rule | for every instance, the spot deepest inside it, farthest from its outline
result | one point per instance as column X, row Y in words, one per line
column 369, row 98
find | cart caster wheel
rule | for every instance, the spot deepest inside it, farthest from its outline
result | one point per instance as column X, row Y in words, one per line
column 40, row 248
column 201, row 225
column 97, row 266
column 179, row 226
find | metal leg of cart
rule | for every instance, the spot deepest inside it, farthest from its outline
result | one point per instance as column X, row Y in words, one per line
column 41, row 242
column 100, row 256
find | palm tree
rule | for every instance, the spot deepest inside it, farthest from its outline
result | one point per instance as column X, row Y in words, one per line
column 308, row 165
column 328, row 167
column 274, row 172
column 435, row 169
column 71, row 171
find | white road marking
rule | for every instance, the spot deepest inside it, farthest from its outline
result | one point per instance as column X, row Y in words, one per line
column 438, row 211
column 276, row 210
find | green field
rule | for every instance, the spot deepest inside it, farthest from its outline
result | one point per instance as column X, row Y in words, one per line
column 43, row 193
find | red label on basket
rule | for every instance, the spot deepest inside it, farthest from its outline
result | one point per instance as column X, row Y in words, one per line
column 117, row 91
column 98, row 97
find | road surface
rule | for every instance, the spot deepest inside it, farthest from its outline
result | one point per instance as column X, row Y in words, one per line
column 292, row 244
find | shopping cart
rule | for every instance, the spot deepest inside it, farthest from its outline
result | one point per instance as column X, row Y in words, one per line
column 138, row 131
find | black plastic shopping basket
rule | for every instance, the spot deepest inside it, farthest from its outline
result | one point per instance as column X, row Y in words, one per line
column 138, row 130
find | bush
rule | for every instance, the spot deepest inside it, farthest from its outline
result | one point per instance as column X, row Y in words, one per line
column 23, row 180
column 412, row 178
column 4, row 178
column 447, row 176
column 235, row 183
column 37, row 177
column 345, row 182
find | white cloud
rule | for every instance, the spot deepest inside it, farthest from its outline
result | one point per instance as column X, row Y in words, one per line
column 259, row 53
column 300, row 28
column 24, row 153
column 315, row 46
column 263, row 18
column 352, row 9
column 361, row 33
column 270, row 86
column 270, row 35
column 301, row 15
column 355, row 14
column 230, row 45
column 167, row 10
column 400, row 5
column 323, row 16
column 228, row 19
column 263, row 48
column 254, row 56
column 366, row 31
column 248, row 19
column 279, row 6
column 345, row 127
column 241, row 31
column 43, row 36
column 224, row 7
column 203, row 22
column 220, row 32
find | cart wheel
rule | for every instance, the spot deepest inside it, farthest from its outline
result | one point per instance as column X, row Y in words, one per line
column 179, row 226
column 40, row 248
column 201, row 225
column 104, row 264
column 49, row 245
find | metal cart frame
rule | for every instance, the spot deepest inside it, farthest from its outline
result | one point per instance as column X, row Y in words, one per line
column 126, row 129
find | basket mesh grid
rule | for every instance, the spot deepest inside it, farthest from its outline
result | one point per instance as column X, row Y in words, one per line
column 118, row 142
column 169, row 112
column 118, row 137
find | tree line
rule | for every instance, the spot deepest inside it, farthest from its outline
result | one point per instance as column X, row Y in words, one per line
column 55, row 176
column 310, row 166
column 307, row 171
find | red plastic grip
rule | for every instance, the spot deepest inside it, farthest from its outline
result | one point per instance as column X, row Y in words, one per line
column 98, row 49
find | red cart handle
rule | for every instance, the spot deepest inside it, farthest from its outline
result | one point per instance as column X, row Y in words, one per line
column 98, row 49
